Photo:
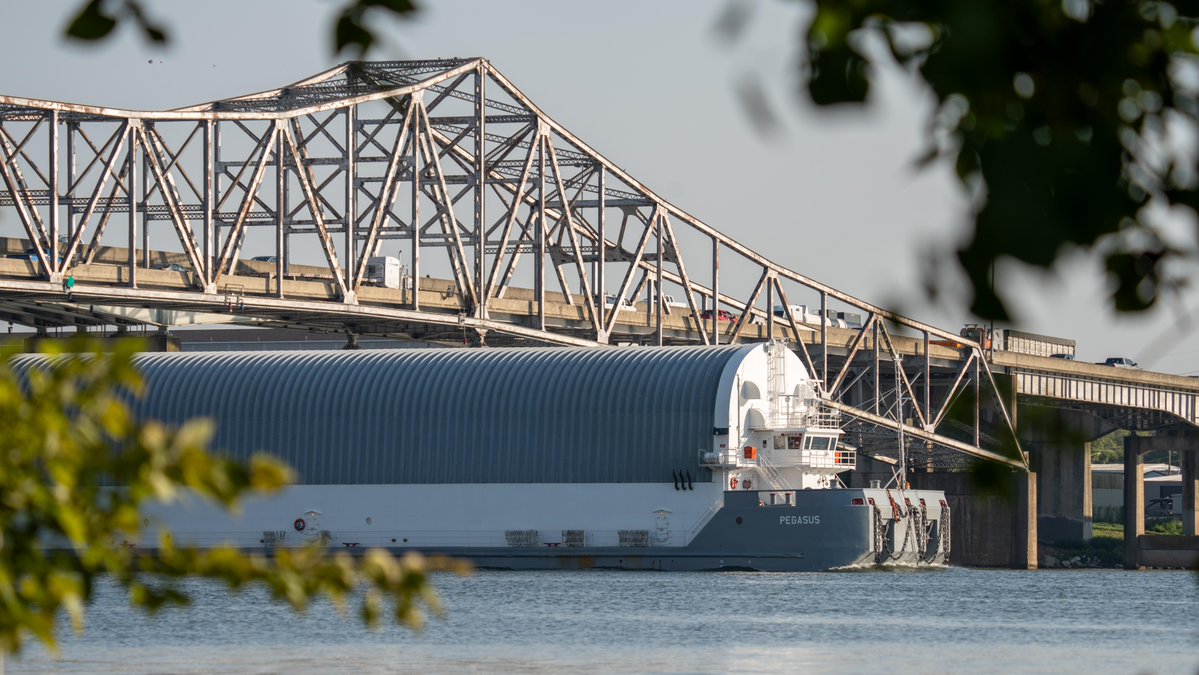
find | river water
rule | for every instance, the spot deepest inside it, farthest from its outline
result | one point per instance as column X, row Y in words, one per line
column 947, row 621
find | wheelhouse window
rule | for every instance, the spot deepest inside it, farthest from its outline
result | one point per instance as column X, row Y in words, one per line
column 819, row 443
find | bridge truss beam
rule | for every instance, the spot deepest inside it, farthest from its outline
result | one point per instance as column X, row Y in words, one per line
column 448, row 167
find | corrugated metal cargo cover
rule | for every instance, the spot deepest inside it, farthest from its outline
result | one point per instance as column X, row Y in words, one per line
column 523, row 415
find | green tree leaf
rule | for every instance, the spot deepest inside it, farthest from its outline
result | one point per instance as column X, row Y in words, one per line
column 91, row 23
column 1053, row 113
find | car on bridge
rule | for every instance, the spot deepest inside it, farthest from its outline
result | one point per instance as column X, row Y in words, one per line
column 721, row 315
column 671, row 301
column 625, row 305
column 1120, row 362
column 265, row 258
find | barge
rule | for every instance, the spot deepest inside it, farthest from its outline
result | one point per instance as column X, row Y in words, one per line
column 670, row 458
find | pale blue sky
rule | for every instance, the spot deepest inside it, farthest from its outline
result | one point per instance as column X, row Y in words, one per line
column 648, row 85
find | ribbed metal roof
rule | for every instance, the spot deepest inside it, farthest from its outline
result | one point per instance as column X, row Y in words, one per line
column 523, row 415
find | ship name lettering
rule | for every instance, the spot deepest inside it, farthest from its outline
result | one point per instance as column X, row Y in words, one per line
column 799, row 520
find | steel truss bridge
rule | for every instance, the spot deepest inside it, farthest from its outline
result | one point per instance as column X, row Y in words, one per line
column 271, row 208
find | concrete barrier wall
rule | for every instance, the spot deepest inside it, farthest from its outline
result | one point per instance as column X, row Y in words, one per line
column 1169, row 551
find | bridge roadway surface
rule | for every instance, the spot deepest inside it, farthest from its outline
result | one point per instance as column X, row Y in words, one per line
column 102, row 295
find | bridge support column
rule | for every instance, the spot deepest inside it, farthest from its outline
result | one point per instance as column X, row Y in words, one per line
column 1134, row 501
column 1190, row 481
column 1060, row 448
column 1025, row 523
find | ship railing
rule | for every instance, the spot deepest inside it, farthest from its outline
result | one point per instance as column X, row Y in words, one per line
column 805, row 418
column 814, row 459
column 829, row 459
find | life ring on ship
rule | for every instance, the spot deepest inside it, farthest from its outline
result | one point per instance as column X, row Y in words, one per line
column 299, row 524
column 733, row 484
column 745, row 485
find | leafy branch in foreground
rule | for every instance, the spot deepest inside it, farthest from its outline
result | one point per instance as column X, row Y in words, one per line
column 354, row 30
column 69, row 439
column 1071, row 122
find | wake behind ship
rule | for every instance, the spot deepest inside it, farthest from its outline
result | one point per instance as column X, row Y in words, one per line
column 672, row 458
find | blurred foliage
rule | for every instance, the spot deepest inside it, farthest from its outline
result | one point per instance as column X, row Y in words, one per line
column 352, row 32
column 1064, row 119
column 69, row 436
column 1110, row 448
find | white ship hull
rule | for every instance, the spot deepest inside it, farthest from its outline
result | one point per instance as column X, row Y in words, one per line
column 632, row 526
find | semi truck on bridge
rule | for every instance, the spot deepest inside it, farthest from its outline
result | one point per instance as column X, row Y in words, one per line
column 1021, row 342
column 1010, row 340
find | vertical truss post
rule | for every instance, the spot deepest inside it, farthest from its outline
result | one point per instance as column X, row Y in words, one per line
column 878, row 394
column 206, row 275
column 715, row 313
column 770, row 306
column 414, row 243
column 280, row 212
column 824, row 339
column 285, row 200
column 52, row 185
column 600, row 260
column 657, row 300
column 928, row 409
column 213, row 270
column 147, row 130
column 71, row 169
column 539, row 260
column 131, row 200
column 480, row 191
column 351, row 206
column 978, row 404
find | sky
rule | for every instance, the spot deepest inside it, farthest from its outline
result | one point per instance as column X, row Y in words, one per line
column 653, row 87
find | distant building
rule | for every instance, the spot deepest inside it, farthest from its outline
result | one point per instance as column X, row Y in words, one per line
column 1162, row 483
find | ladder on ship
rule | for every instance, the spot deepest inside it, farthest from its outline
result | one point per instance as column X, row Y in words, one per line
column 771, row 472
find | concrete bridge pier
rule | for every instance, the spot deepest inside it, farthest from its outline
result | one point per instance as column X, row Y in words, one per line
column 1141, row 551
column 1190, row 480
column 1059, row 446
column 993, row 524
column 1134, row 500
